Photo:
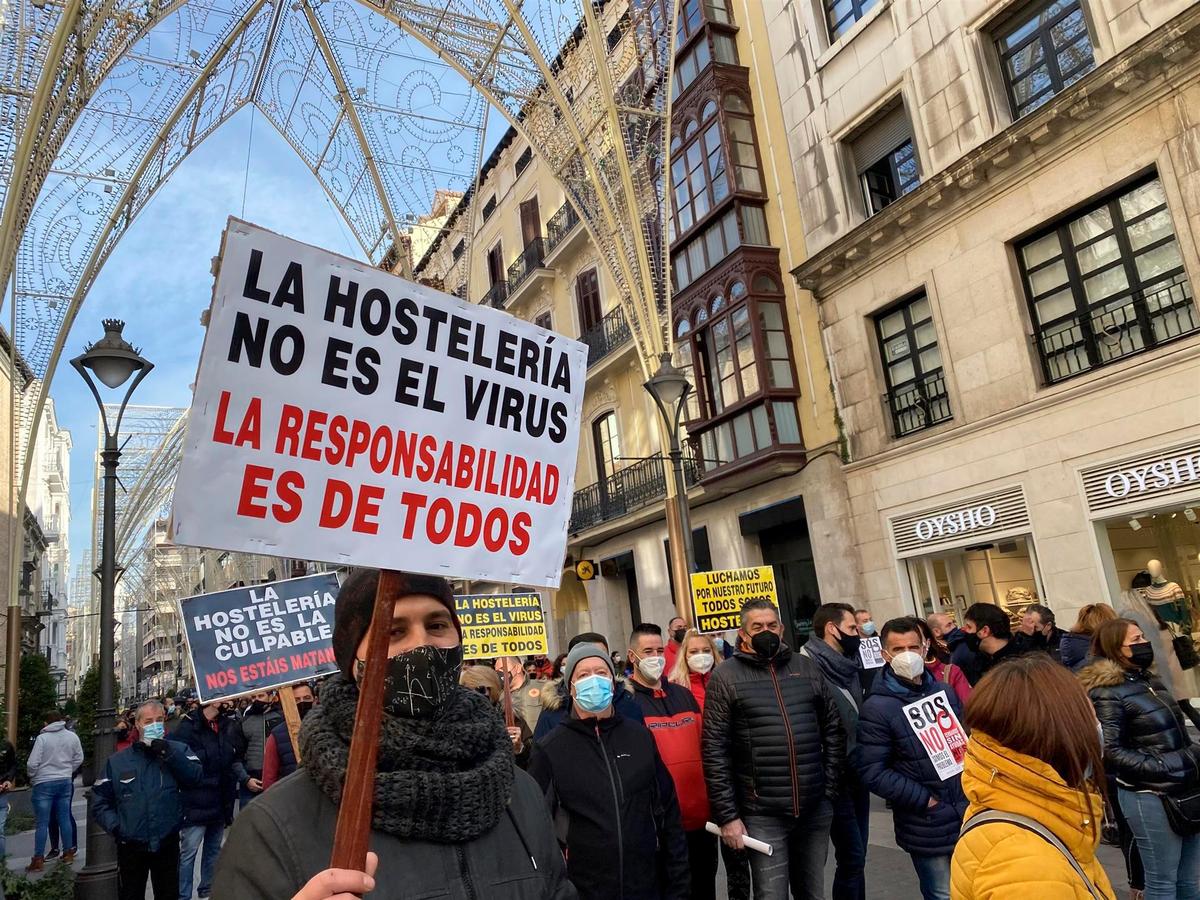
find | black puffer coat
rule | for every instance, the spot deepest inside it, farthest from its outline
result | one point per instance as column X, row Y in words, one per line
column 211, row 801
column 1146, row 745
column 773, row 739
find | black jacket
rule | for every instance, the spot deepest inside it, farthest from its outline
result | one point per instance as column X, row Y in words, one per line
column 8, row 763
column 845, row 683
column 1028, row 643
column 211, row 802
column 138, row 798
column 893, row 763
column 614, row 808
column 773, row 738
column 1146, row 744
column 284, row 838
column 971, row 662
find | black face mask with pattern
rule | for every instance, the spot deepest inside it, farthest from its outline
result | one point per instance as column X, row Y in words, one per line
column 419, row 681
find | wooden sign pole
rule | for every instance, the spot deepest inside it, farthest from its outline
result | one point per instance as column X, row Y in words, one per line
column 291, row 715
column 508, row 707
column 353, row 835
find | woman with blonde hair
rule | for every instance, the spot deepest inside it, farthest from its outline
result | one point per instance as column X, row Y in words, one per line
column 1034, row 777
column 1076, row 643
column 486, row 681
column 698, row 656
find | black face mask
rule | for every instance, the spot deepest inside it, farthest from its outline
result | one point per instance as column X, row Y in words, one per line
column 420, row 681
column 304, row 707
column 678, row 634
column 849, row 644
column 972, row 641
column 256, row 707
column 765, row 644
column 1142, row 655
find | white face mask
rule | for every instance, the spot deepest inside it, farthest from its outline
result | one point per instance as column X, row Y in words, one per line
column 700, row 662
column 652, row 667
column 908, row 664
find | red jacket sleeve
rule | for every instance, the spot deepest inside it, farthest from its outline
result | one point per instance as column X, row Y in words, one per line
column 270, row 763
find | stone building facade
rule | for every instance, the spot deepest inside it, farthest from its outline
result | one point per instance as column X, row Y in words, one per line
column 765, row 475
column 1000, row 202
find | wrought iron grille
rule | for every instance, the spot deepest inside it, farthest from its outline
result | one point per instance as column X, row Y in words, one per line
column 532, row 257
column 1120, row 327
column 626, row 491
column 560, row 225
column 606, row 336
column 922, row 405
column 497, row 295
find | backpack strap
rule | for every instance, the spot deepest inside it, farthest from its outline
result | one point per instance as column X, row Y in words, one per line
column 993, row 815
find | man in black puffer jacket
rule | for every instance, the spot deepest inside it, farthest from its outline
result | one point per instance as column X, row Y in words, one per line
column 894, row 764
column 774, row 747
column 207, row 807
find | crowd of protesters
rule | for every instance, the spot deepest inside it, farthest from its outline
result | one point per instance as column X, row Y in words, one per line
column 639, row 769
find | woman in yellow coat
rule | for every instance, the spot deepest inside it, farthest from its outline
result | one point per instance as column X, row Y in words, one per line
column 1035, row 752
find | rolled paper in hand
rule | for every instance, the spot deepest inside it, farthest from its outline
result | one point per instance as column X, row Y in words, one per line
column 751, row 843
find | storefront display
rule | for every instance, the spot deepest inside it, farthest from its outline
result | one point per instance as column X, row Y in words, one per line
column 976, row 550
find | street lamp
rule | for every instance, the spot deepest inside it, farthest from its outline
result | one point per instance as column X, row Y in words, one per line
column 113, row 361
column 669, row 387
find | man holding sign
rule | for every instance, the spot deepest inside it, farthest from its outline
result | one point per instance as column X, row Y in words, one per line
column 452, row 816
column 910, row 751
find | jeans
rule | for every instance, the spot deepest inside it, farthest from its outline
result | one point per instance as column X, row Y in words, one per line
column 135, row 863
column 702, row 862
column 53, row 798
column 1172, row 862
column 3, row 822
column 800, row 846
column 55, row 837
column 933, row 872
column 189, row 843
column 737, row 872
column 851, row 823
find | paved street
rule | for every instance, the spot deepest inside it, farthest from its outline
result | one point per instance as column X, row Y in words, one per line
column 889, row 873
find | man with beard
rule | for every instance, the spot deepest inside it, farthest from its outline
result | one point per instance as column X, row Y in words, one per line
column 774, row 747
column 452, row 815
column 259, row 720
column 279, row 757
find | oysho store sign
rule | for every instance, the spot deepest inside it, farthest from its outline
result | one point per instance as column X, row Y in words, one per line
column 1155, row 476
column 968, row 521
column 956, row 522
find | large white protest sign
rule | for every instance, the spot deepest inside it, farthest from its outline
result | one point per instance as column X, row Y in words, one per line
column 346, row 415
column 870, row 652
column 940, row 733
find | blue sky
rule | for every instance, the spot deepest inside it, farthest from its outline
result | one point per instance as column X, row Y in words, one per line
column 158, row 278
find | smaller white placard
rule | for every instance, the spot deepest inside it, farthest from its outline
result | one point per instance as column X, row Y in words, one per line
column 933, row 721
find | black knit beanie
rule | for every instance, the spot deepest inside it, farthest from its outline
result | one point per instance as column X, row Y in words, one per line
column 356, row 602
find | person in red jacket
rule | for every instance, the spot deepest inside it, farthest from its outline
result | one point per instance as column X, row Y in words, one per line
column 676, row 629
column 694, row 665
column 673, row 717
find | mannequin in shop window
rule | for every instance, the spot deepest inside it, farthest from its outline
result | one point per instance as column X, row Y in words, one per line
column 1167, row 598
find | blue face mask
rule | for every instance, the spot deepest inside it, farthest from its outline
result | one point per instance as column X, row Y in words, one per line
column 154, row 731
column 594, row 694
column 867, row 628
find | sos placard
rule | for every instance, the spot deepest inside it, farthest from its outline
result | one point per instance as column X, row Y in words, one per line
column 501, row 625
column 346, row 415
column 718, row 597
column 933, row 721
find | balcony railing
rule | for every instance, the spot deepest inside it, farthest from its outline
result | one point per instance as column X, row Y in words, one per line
column 606, row 336
column 531, row 258
column 560, row 225
column 496, row 295
column 923, row 405
column 625, row 491
column 1116, row 328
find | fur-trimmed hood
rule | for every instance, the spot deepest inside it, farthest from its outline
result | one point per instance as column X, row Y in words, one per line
column 1102, row 673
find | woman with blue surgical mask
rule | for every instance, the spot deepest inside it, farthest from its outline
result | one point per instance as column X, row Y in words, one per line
column 603, row 778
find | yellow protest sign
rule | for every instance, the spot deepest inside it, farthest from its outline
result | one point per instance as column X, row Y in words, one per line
column 502, row 625
column 718, row 597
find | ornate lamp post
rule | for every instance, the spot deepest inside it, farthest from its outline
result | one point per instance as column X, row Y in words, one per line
column 113, row 361
column 669, row 387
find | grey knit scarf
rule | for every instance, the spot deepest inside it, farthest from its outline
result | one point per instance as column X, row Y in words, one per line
column 445, row 779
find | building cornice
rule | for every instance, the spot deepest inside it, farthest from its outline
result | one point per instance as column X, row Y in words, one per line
column 1162, row 56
